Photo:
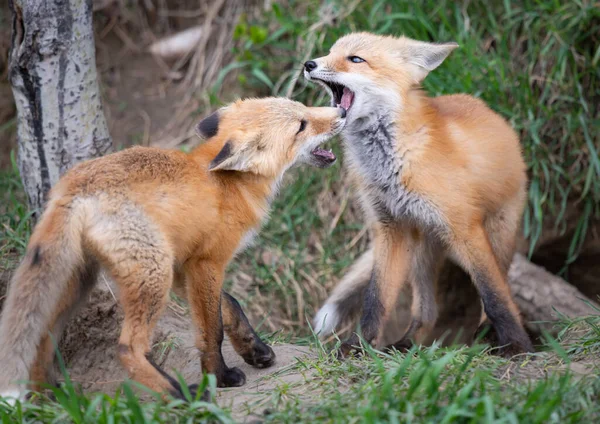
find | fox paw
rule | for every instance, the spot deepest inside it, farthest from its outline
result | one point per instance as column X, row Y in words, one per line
column 349, row 350
column 262, row 356
column 516, row 347
column 402, row 345
column 193, row 388
column 232, row 377
column 507, row 348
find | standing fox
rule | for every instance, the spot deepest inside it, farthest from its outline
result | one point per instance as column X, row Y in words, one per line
column 149, row 216
column 437, row 177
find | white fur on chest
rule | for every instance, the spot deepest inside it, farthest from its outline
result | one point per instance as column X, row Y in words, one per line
column 372, row 151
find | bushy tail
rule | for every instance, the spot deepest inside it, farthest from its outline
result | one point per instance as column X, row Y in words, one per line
column 345, row 302
column 36, row 290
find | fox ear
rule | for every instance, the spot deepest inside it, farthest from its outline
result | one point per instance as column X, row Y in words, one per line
column 425, row 57
column 229, row 160
column 209, row 126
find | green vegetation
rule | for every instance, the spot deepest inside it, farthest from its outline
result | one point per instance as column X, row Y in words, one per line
column 15, row 225
column 67, row 404
column 441, row 385
column 535, row 62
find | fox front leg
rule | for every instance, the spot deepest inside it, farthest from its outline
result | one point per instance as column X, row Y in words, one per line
column 244, row 339
column 392, row 253
column 204, row 284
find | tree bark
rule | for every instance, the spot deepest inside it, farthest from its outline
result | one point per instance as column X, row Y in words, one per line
column 52, row 71
column 542, row 296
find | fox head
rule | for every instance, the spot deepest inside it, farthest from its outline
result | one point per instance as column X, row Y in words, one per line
column 363, row 71
column 267, row 136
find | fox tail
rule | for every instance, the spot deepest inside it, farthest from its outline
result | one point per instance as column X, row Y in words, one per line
column 345, row 302
column 39, row 287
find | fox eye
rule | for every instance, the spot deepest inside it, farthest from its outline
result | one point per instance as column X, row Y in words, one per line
column 302, row 126
column 356, row 59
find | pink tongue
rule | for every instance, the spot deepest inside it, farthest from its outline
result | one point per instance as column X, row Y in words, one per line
column 347, row 98
column 323, row 153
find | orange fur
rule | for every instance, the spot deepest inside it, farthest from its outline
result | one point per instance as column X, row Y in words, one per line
column 156, row 218
column 461, row 180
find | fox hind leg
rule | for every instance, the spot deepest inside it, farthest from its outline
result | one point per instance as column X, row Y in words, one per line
column 79, row 287
column 424, row 269
column 476, row 255
column 204, row 280
column 143, row 296
column 502, row 229
column 392, row 250
column 141, row 263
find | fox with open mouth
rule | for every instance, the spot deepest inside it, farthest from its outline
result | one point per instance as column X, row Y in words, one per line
column 155, row 220
column 437, row 177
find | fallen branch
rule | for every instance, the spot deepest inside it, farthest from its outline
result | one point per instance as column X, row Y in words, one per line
column 177, row 45
column 540, row 295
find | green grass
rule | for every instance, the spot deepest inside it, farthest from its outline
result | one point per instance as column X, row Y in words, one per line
column 68, row 404
column 427, row 385
column 438, row 386
column 449, row 385
column 15, row 225
column 535, row 62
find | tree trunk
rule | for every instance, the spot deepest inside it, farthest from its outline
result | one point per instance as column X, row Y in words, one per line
column 52, row 71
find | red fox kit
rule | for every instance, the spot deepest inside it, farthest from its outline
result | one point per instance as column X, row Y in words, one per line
column 148, row 216
column 437, row 177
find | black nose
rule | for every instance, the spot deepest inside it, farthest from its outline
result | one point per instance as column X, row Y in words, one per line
column 343, row 112
column 310, row 65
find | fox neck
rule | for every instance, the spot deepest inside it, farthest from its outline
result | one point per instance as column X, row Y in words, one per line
column 382, row 146
column 257, row 190
column 387, row 130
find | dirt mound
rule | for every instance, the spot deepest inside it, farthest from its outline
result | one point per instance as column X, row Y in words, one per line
column 90, row 350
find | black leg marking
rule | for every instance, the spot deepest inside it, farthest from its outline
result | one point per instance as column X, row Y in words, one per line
column 37, row 256
column 509, row 332
column 226, row 377
column 370, row 322
column 371, row 319
column 176, row 392
column 253, row 350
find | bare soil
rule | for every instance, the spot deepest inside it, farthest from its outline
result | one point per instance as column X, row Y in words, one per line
column 90, row 351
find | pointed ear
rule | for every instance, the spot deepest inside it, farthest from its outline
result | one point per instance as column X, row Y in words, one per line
column 209, row 126
column 425, row 57
column 230, row 160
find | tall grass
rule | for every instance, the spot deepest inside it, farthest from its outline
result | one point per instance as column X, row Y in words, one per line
column 15, row 223
column 535, row 62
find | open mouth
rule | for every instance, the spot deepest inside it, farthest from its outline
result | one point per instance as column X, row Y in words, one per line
column 322, row 157
column 342, row 96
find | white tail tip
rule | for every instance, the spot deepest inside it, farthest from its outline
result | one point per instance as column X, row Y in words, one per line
column 11, row 396
column 326, row 320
